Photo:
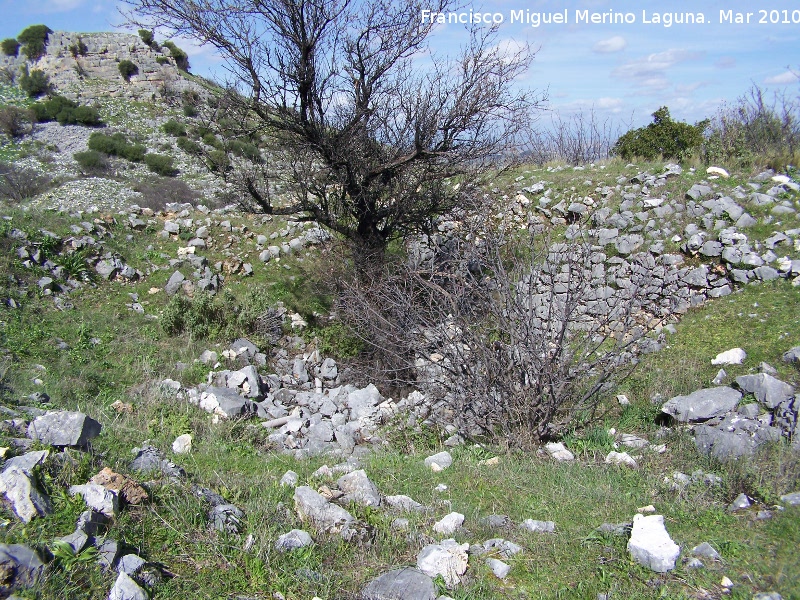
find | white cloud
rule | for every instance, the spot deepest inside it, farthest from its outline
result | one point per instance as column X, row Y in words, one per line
column 614, row 44
column 785, row 78
column 605, row 104
column 653, row 66
column 726, row 62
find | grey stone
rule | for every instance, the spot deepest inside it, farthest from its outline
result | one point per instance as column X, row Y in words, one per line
column 505, row 548
column 498, row 567
column 296, row 538
column 358, row 488
column 108, row 552
column 91, row 521
column 64, row 428
column 496, row 521
column 765, row 273
column 707, row 551
column 125, row 588
column 77, row 540
column 400, row 584
column 740, row 503
column 767, row 596
column 130, row 564
column 363, row 403
column 404, row 504
column 792, row 355
column 174, row 283
column 697, row 277
column 226, row 517
column 698, row 191
column 98, row 498
column 768, row 390
column 313, row 508
column 243, row 346
column 20, row 565
column 27, row 462
column 650, row 545
column 615, row 529
column 227, row 403
column 535, row 526
column 792, row 499
column 328, row 369
column 693, row 563
column 711, row 248
column 289, row 479
column 702, row 404
column 21, row 493
column 449, row 523
column 148, row 460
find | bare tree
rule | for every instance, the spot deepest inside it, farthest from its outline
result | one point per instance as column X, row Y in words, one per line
column 509, row 334
column 375, row 133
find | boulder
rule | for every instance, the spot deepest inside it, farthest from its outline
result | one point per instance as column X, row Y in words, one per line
column 400, row 584
column 449, row 524
column 442, row 460
column 650, row 544
column 768, row 390
column 20, row 566
column 734, row 356
column 313, row 508
column 20, row 492
column 64, row 428
column 447, row 558
column 358, row 488
column 702, row 404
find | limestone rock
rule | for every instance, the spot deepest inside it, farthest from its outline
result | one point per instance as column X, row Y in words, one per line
column 21, row 493
column 702, row 404
column 313, row 508
column 650, row 544
column 98, row 498
column 126, row 588
column 449, row 524
column 296, row 538
column 443, row 460
column 64, row 428
column 358, row 488
column 400, row 584
column 447, row 558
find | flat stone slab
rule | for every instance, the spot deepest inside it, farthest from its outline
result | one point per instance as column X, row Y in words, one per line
column 400, row 584
column 767, row 389
column 64, row 428
column 702, row 404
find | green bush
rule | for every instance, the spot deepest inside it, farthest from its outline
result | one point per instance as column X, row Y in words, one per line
column 127, row 69
column 161, row 164
column 180, row 57
column 147, row 37
column 218, row 161
column 78, row 48
column 245, row 150
column 210, row 139
column 663, row 138
column 91, row 161
column 190, row 110
column 35, row 83
column 162, row 60
column 10, row 47
column 34, row 41
column 174, row 128
column 189, row 146
column 66, row 112
column 117, row 145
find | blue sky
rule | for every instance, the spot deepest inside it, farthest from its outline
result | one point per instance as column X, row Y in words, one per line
column 624, row 71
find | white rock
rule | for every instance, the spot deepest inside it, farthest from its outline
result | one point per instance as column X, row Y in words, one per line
column 734, row 356
column 559, row 451
column 718, row 171
column 535, row 526
column 498, row 567
column 650, row 544
column 182, row 444
column 621, row 458
column 289, row 479
column 442, row 460
column 447, row 558
column 449, row 524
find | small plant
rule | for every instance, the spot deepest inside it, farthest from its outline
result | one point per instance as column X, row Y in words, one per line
column 218, row 161
column 210, row 139
column 189, row 146
column 35, row 83
column 127, row 69
column 162, row 60
column 245, row 150
column 78, row 48
column 174, row 128
column 161, row 164
column 147, row 38
column 34, row 41
column 75, row 265
column 68, row 559
column 91, row 161
column 10, row 47
column 15, row 121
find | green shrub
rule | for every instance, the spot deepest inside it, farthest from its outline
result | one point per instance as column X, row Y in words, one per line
column 147, row 37
column 66, row 112
column 161, row 164
column 78, row 48
column 15, row 121
column 189, row 110
column 245, row 150
column 10, row 47
column 117, row 145
column 218, row 161
column 662, row 138
column 180, row 57
column 174, row 128
column 34, row 41
column 91, row 161
column 210, row 139
column 189, row 146
column 35, row 83
column 162, row 60
column 127, row 69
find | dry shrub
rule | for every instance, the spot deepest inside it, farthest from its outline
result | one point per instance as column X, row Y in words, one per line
column 159, row 191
